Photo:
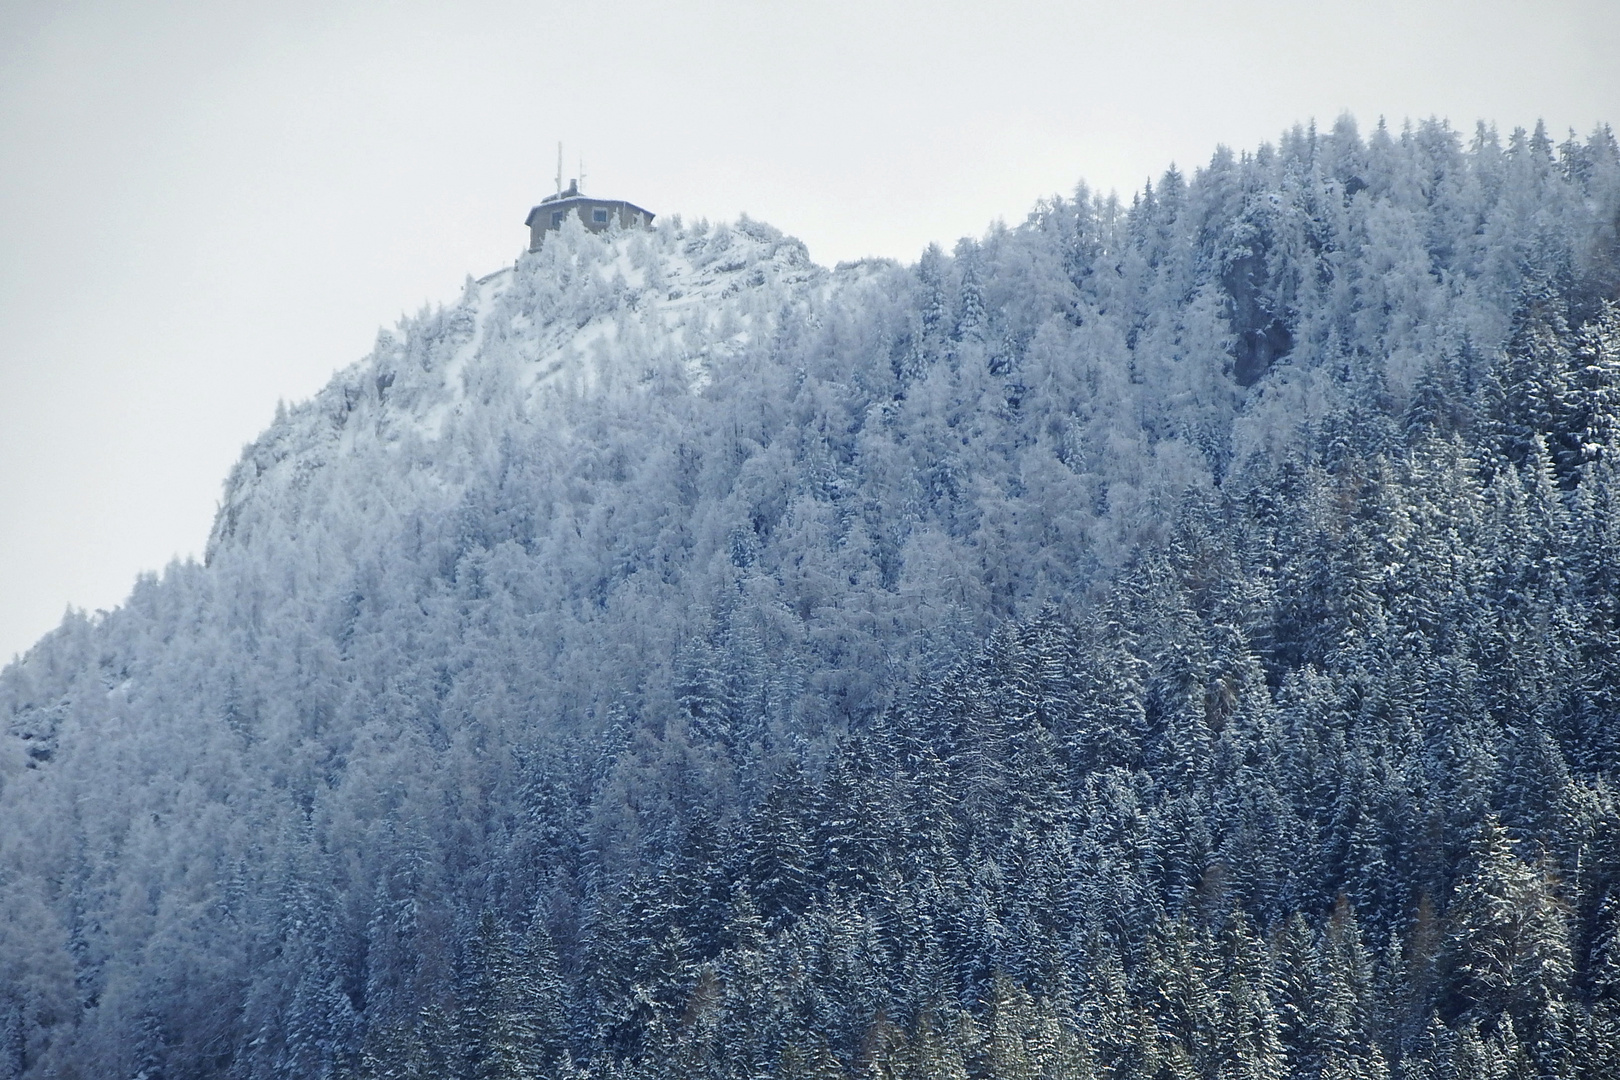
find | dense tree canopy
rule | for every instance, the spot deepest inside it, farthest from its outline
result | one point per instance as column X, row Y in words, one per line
column 1175, row 640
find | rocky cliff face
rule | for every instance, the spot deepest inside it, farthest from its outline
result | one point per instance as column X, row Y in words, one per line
column 617, row 315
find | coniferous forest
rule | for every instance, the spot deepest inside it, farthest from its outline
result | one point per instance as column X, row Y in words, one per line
column 1165, row 640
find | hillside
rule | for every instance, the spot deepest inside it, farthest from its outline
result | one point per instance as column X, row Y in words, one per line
column 1164, row 640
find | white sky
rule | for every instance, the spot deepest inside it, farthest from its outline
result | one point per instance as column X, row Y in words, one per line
column 205, row 207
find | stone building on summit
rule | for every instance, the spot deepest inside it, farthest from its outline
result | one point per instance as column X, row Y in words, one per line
column 596, row 214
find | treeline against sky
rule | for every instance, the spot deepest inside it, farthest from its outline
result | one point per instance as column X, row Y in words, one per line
column 1166, row 640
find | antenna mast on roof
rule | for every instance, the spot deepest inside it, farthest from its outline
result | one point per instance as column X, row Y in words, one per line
column 559, row 168
column 582, row 173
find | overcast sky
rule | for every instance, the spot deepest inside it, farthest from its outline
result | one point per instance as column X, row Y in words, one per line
column 207, row 207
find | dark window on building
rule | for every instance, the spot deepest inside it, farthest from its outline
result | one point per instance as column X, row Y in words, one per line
column 599, row 216
column 556, row 217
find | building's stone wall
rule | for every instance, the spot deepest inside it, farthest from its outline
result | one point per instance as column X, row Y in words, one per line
column 545, row 217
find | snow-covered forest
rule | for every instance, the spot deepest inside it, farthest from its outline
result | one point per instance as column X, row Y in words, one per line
column 1150, row 642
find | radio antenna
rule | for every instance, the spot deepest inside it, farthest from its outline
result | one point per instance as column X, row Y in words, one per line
column 582, row 173
column 559, row 168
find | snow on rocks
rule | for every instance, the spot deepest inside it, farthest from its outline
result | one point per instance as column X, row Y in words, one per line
column 586, row 314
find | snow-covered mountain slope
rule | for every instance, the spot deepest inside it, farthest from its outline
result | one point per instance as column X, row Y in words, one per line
column 639, row 602
column 588, row 314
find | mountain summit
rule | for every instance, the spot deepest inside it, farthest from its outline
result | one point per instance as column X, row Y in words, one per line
column 614, row 317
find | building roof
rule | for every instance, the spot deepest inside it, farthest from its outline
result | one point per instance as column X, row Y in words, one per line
column 572, row 193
